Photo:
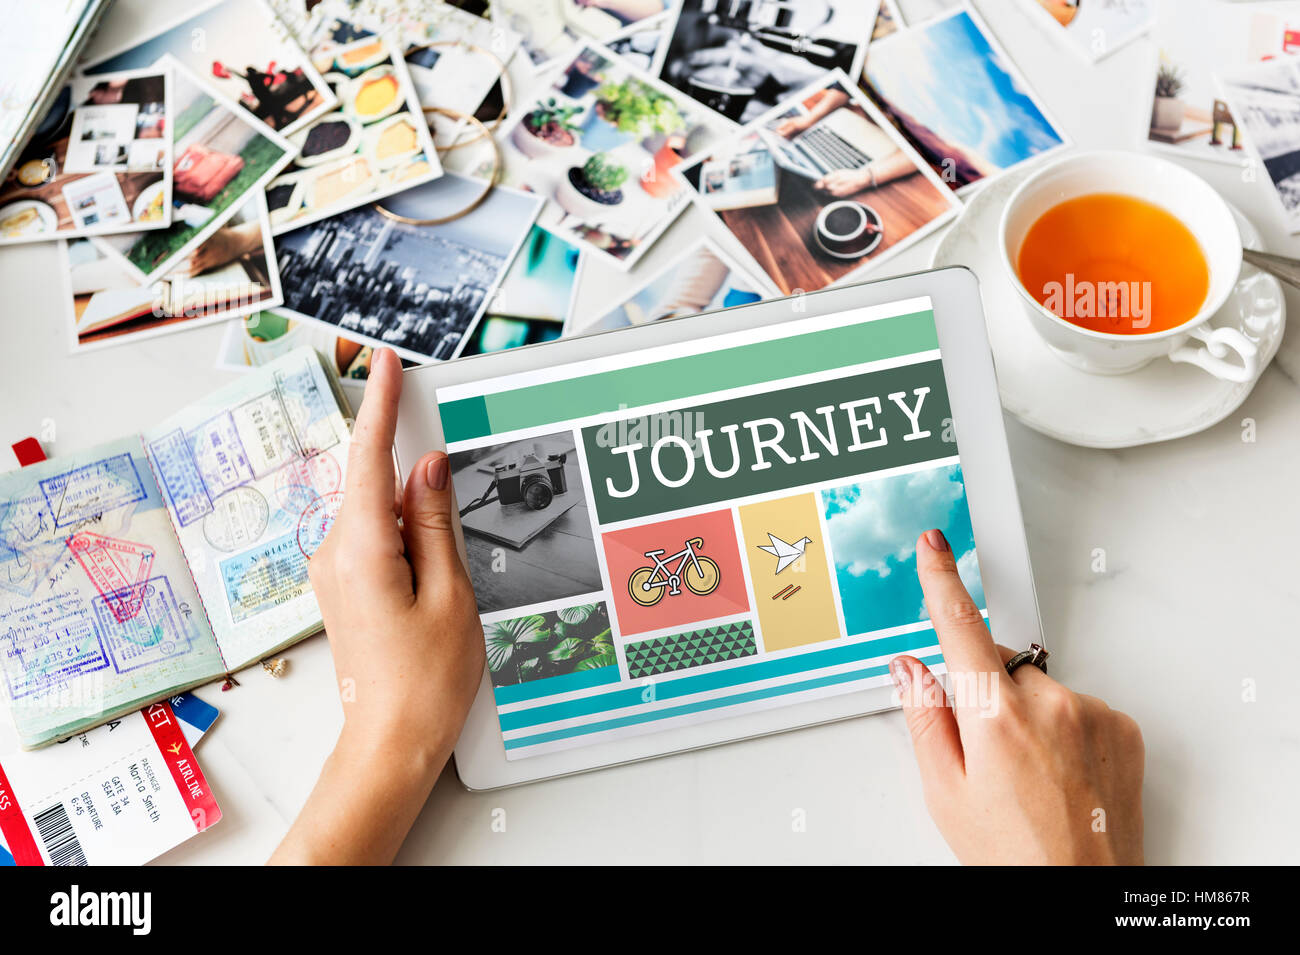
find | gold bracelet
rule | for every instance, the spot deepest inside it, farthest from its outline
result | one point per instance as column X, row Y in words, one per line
column 479, row 199
column 503, row 77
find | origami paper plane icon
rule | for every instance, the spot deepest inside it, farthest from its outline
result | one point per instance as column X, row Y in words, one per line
column 785, row 554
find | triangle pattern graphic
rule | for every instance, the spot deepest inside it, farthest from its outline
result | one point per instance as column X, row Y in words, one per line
column 694, row 648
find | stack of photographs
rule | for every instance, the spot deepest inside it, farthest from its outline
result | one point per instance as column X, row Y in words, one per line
column 456, row 61
column 100, row 161
column 243, row 52
column 373, row 144
column 230, row 272
column 301, row 189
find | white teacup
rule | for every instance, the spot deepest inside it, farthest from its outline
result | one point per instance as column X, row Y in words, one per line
column 1189, row 199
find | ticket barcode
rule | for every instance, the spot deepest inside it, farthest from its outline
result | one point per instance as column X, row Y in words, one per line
column 57, row 834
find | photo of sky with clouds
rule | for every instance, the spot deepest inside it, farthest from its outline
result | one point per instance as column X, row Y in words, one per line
column 993, row 116
column 873, row 528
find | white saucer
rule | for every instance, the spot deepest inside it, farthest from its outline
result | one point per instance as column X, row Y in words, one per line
column 1155, row 403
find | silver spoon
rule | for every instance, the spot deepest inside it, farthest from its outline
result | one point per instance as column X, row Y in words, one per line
column 1288, row 270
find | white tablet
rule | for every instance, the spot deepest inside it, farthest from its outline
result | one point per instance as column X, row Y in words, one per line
column 701, row 530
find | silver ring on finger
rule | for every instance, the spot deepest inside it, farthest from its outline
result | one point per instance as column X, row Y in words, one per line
column 1036, row 655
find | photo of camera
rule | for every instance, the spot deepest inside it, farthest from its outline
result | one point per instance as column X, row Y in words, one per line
column 532, row 481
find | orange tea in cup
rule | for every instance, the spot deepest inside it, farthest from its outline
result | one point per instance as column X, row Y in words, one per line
column 1114, row 263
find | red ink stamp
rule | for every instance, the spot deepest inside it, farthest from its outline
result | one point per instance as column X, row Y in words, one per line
column 303, row 480
column 119, row 570
column 317, row 520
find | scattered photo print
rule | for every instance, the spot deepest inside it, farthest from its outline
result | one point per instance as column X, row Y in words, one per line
column 534, row 298
column 702, row 278
column 100, row 162
column 545, row 33
column 542, row 280
column 1189, row 115
column 550, row 28
column 416, row 288
column 231, row 273
column 262, row 337
column 528, row 496
column 873, row 527
column 638, row 44
column 221, row 159
column 994, row 124
column 1265, row 100
column 455, row 59
column 888, row 20
column 374, row 143
column 820, row 189
column 246, row 55
column 602, row 19
column 740, row 59
column 599, row 143
column 1095, row 28
column 502, row 332
column 555, row 643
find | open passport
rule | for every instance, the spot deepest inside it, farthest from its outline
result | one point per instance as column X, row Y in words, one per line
column 162, row 560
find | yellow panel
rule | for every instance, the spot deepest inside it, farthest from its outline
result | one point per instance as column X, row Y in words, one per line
column 789, row 617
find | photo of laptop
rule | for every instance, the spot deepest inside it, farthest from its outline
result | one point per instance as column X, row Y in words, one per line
column 843, row 140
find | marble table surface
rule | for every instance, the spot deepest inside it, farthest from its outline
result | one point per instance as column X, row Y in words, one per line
column 1191, row 626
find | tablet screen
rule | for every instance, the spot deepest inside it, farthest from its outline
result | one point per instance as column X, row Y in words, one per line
column 706, row 528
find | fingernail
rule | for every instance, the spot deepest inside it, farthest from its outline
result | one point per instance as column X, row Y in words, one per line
column 435, row 473
column 901, row 675
column 934, row 537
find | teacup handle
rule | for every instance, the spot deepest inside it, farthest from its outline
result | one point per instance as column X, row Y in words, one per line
column 1210, row 355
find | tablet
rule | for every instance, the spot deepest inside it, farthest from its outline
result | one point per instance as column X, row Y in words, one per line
column 701, row 530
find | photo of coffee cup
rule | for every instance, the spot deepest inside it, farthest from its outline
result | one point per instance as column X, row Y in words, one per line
column 848, row 230
column 1161, row 187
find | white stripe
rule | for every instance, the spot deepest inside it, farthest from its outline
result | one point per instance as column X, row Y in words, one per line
column 715, row 343
column 714, row 694
column 687, row 402
column 675, row 722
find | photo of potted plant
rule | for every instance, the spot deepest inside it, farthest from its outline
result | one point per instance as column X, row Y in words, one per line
column 583, row 74
column 549, row 128
column 550, row 644
column 626, row 111
column 593, row 188
column 1168, row 111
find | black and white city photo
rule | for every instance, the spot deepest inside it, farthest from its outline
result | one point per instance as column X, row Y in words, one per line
column 418, row 289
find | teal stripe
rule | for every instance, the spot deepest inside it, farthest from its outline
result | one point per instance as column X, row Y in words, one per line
column 751, row 364
column 718, row 679
column 705, row 705
column 468, row 416
column 554, row 685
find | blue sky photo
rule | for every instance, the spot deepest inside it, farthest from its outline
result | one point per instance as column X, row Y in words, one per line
column 873, row 527
column 947, row 76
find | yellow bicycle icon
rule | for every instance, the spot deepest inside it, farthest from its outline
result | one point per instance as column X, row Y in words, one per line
column 700, row 575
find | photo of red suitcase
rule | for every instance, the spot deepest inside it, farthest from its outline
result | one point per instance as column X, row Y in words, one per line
column 201, row 173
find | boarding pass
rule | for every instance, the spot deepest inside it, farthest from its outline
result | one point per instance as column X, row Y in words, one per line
column 120, row 794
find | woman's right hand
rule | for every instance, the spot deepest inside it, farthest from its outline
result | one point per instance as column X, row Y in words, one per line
column 1020, row 769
